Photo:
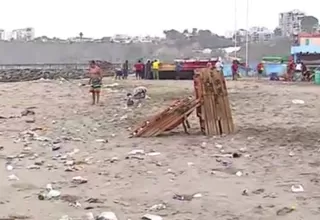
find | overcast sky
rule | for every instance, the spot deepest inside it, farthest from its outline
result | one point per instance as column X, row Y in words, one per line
column 98, row 18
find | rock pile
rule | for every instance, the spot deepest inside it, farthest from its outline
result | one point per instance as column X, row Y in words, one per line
column 18, row 75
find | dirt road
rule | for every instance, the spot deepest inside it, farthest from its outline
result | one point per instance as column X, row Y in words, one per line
column 67, row 137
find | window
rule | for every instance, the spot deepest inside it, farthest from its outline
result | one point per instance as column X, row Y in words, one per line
column 307, row 42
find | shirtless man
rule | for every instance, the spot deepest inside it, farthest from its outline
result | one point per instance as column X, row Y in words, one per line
column 95, row 82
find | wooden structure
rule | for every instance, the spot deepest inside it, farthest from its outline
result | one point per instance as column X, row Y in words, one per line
column 177, row 113
column 214, row 113
column 211, row 104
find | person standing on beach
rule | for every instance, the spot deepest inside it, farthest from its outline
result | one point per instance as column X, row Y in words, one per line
column 234, row 69
column 260, row 70
column 125, row 69
column 147, row 70
column 95, row 82
column 139, row 69
column 155, row 69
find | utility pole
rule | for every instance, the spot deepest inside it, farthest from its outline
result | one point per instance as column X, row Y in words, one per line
column 235, row 28
column 247, row 39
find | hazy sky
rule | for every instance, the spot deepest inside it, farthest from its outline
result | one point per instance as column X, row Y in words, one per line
column 98, row 18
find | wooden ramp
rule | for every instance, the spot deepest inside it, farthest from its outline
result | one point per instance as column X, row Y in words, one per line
column 173, row 116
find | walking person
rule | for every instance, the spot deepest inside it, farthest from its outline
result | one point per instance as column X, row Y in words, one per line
column 155, row 69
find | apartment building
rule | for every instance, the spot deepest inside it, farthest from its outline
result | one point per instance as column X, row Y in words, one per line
column 25, row 34
column 290, row 22
column 255, row 34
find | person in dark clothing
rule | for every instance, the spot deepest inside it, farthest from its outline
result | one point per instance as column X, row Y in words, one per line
column 151, row 75
column 125, row 69
column 147, row 71
column 143, row 71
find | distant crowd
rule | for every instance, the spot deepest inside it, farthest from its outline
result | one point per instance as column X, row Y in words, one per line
column 147, row 70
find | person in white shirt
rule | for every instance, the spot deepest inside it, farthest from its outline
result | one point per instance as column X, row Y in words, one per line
column 298, row 71
column 219, row 65
column 299, row 67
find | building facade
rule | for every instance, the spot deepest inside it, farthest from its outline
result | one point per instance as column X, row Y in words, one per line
column 290, row 22
column 25, row 34
column 306, row 39
column 2, row 34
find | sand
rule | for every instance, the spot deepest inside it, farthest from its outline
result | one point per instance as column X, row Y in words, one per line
column 278, row 140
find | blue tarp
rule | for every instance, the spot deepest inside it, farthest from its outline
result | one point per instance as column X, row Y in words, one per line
column 280, row 69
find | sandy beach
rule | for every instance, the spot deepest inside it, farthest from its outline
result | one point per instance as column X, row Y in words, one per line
column 50, row 134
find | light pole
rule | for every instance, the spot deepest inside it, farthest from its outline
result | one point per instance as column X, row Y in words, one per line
column 235, row 29
column 247, row 38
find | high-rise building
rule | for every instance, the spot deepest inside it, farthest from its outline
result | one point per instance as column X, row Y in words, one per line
column 290, row 22
column 25, row 34
column 2, row 34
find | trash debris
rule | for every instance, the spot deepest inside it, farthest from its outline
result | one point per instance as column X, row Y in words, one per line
column 33, row 167
column 285, row 210
column 153, row 154
column 89, row 216
column 75, row 204
column 158, row 207
column 136, row 152
column 245, row 193
column 190, row 164
column 223, row 155
column 27, row 112
column 94, row 200
column 13, row 177
column 114, row 159
column 9, row 167
column 123, row 117
column 15, row 217
column 203, row 144
column 151, row 217
column 102, row 141
column 258, row 191
column 65, row 217
column 297, row 188
column 298, row 101
column 30, row 120
column 186, row 197
column 79, row 180
column 239, row 173
column 56, row 147
column 107, row 216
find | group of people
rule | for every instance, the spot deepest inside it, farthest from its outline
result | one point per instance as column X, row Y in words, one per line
column 148, row 70
column 298, row 70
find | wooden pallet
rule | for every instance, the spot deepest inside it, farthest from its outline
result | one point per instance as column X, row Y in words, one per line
column 173, row 116
column 215, row 113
